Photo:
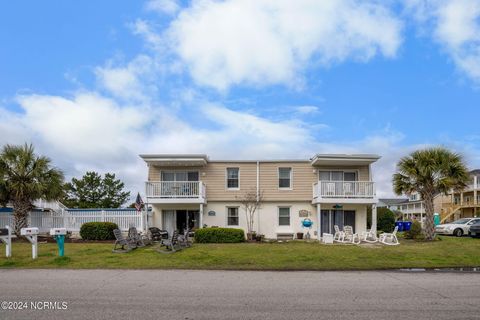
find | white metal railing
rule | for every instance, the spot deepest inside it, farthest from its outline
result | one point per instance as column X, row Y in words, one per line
column 176, row 189
column 344, row 189
column 73, row 219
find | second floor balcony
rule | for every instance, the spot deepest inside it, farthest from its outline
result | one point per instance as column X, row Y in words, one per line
column 344, row 192
column 176, row 192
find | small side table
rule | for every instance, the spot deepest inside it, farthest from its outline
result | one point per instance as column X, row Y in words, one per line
column 327, row 238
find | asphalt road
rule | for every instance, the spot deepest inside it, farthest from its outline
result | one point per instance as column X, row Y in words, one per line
column 154, row 294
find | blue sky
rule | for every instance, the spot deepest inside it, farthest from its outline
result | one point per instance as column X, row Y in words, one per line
column 92, row 84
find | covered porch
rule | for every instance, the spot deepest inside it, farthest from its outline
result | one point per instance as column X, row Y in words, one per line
column 177, row 217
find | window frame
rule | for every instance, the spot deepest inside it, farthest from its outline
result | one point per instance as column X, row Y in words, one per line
column 290, row 187
column 289, row 216
column 226, row 179
column 228, row 216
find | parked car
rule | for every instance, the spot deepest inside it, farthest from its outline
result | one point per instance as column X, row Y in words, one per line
column 457, row 228
column 475, row 230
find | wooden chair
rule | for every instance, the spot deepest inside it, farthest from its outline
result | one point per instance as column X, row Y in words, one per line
column 122, row 244
column 172, row 245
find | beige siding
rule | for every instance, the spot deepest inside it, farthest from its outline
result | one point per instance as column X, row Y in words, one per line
column 303, row 178
column 215, row 180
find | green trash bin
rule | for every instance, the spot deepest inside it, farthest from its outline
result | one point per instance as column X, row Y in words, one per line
column 436, row 219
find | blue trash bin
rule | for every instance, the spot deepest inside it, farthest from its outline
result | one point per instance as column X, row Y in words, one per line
column 399, row 224
column 407, row 225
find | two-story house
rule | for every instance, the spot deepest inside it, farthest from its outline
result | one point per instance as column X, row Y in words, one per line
column 330, row 189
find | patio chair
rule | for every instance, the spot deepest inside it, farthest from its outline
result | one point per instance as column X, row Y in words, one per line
column 135, row 237
column 122, row 244
column 157, row 235
column 349, row 236
column 338, row 235
column 369, row 236
column 389, row 239
column 172, row 245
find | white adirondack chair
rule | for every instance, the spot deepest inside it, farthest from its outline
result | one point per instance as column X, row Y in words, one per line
column 389, row 239
column 339, row 235
column 349, row 236
column 369, row 236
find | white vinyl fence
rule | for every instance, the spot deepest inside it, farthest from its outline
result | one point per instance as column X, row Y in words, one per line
column 72, row 219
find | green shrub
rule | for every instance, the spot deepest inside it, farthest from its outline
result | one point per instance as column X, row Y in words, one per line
column 98, row 230
column 415, row 231
column 219, row 235
column 385, row 220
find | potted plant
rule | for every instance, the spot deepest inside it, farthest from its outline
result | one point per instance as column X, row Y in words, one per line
column 259, row 237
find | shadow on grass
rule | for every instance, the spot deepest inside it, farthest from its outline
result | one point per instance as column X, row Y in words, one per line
column 61, row 261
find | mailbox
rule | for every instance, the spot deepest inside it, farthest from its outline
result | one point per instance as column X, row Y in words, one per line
column 31, row 235
column 28, row 231
column 6, row 237
column 58, row 231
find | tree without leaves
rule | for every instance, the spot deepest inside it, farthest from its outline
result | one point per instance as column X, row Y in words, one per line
column 251, row 202
column 24, row 178
column 93, row 191
column 430, row 172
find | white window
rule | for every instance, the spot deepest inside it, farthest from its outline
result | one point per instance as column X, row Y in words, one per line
column 233, row 178
column 232, row 216
column 284, row 216
column 285, row 178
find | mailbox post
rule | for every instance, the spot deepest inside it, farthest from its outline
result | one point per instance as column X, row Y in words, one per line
column 59, row 236
column 6, row 237
column 31, row 235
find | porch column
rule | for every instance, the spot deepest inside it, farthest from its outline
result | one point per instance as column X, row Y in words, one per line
column 461, row 198
column 374, row 218
column 319, row 210
column 200, row 218
column 475, row 186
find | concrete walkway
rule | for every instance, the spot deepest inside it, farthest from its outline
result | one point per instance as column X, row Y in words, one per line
column 155, row 294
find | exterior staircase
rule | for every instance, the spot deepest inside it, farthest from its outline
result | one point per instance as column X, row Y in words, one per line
column 449, row 211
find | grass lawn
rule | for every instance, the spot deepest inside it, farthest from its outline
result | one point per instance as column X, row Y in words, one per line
column 447, row 252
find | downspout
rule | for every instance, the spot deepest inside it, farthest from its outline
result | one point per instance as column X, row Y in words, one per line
column 258, row 196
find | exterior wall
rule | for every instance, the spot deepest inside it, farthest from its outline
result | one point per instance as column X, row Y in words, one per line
column 304, row 175
column 302, row 181
column 266, row 219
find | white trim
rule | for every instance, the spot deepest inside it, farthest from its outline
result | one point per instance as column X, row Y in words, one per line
column 291, row 178
column 226, row 179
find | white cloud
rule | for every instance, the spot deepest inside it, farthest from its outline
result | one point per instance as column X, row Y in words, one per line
column 455, row 25
column 273, row 41
column 307, row 109
column 127, row 82
column 163, row 6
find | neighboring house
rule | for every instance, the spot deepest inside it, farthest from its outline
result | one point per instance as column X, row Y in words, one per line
column 453, row 206
column 394, row 204
column 331, row 189
column 465, row 204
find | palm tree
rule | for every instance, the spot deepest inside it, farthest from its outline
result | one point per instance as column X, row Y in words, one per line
column 430, row 172
column 24, row 178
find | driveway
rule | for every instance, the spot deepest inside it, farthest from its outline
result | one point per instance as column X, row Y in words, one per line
column 176, row 294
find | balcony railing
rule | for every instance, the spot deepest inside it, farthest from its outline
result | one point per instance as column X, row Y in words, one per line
column 344, row 189
column 176, row 190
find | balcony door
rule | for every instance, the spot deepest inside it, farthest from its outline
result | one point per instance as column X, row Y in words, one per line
column 331, row 188
column 179, row 175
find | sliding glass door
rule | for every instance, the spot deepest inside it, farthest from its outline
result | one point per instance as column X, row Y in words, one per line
column 341, row 218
